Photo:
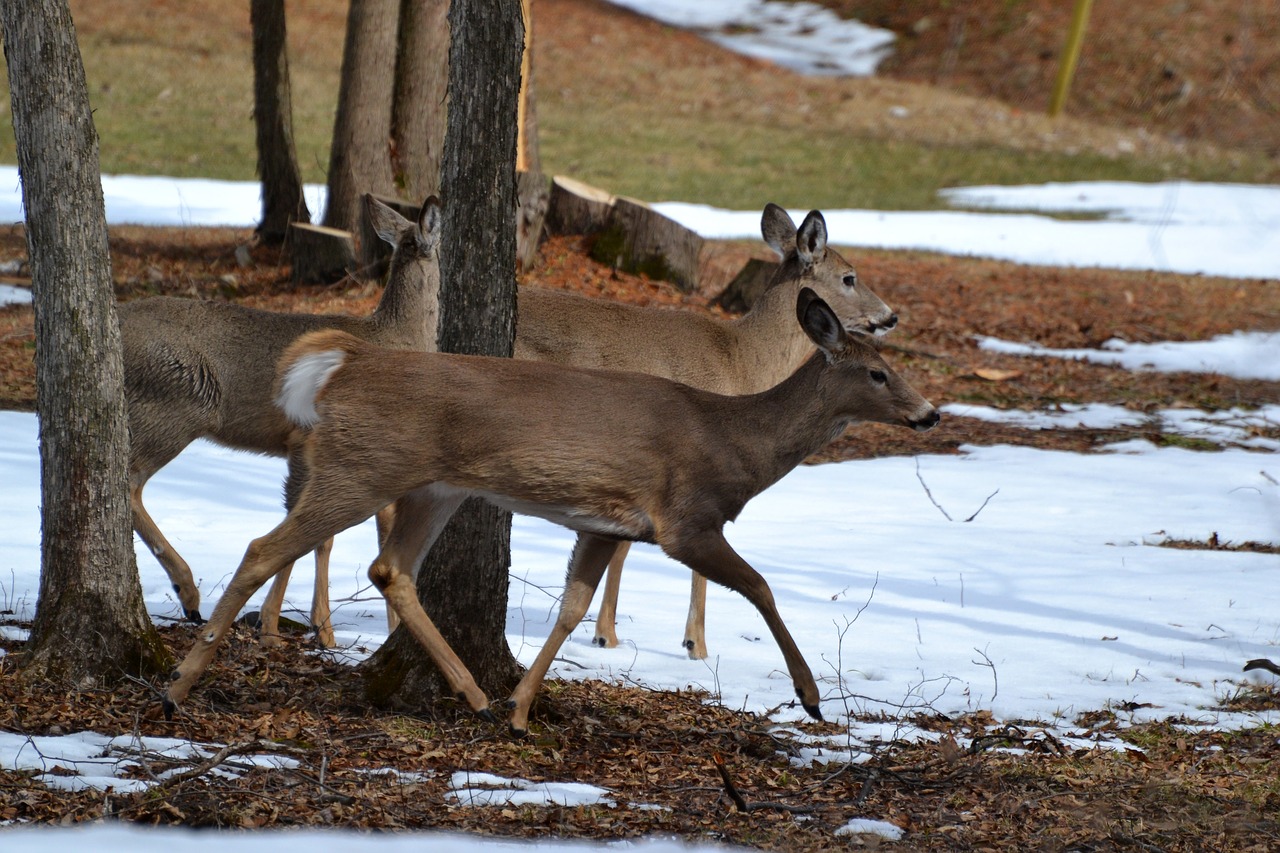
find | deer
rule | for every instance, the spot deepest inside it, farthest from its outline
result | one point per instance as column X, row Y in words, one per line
column 592, row 450
column 203, row 369
column 742, row 356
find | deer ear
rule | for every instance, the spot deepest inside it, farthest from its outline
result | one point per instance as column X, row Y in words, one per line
column 386, row 223
column 428, row 235
column 778, row 229
column 811, row 239
column 819, row 322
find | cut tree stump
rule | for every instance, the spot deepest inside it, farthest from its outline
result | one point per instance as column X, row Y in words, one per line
column 320, row 255
column 638, row 239
column 577, row 208
column 751, row 281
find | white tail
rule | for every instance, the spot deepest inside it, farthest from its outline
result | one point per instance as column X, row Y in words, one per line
column 735, row 357
column 592, row 450
column 205, row 369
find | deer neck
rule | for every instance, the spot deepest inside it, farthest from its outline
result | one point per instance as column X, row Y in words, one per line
column 410, row 301
column 771, row 346
column 775, row 430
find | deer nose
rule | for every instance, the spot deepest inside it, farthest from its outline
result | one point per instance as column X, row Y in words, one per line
column 928, row 422
column 885, row 327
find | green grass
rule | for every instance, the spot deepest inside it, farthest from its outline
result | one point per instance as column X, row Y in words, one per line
column 177, row 100
column 670, row 159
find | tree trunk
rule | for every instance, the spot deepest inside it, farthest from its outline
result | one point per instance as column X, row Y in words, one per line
column 360, row 157
column 283, row 201
column 90, row 619
column 418, row 112
column 463, row 582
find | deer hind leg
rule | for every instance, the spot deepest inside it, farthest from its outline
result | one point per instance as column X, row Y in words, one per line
column 385, row 520
column 711, row 556
column 299, row 533
column 590, row 556
column 420, row 516
column 606, row 636
column 695, row 626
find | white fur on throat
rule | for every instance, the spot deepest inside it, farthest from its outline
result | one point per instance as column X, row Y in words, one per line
column 303, row 382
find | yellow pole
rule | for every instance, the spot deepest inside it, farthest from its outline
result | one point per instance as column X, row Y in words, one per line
column 1071, row 53
column 522, row 143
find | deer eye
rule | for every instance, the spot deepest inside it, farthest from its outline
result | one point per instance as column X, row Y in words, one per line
column 851, row 280
column 878, row 377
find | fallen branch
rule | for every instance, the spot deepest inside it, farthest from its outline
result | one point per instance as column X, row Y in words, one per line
column 741, row 804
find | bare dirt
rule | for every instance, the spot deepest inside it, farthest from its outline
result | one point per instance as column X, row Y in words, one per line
column 1016, row 788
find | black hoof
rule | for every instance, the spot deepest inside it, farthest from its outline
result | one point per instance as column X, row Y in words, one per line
column 813, row 712
column 168, row 707
column 598, row 641
column 486, row 715
column 195, row 617
column 518, row 734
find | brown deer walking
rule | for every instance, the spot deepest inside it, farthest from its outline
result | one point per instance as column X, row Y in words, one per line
column 736, row 357
column 198, row 369
column 592, row 450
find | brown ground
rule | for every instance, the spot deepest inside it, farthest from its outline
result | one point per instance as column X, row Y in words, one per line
column 1204, row 70
column 1189, row 790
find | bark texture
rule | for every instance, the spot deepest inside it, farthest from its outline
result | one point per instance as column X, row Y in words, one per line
column 90, row 620
column 463, row 583
column 283, row 201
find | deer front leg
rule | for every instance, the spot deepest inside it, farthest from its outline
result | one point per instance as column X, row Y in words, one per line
column 710, row 555
column 420, row 516
column 590, row 556
column 606, row 636
column 695, row 626
column 170, row 560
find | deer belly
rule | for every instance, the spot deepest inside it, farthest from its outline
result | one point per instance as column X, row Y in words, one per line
column 633, row 524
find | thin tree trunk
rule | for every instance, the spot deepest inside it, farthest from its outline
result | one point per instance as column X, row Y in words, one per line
column 360, row 157
column 463, row 583
column 90, row 620
column 282, row 197
column 418, row 113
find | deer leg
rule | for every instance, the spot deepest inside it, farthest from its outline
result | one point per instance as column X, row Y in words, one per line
column 590, row 556
column 420, row 516
column 269, row 615
column 695, row 626
column 607, row 621
column 174, row 566
column 301, row 531
column 321, row 617
column 385, row 520
column 711, row 556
